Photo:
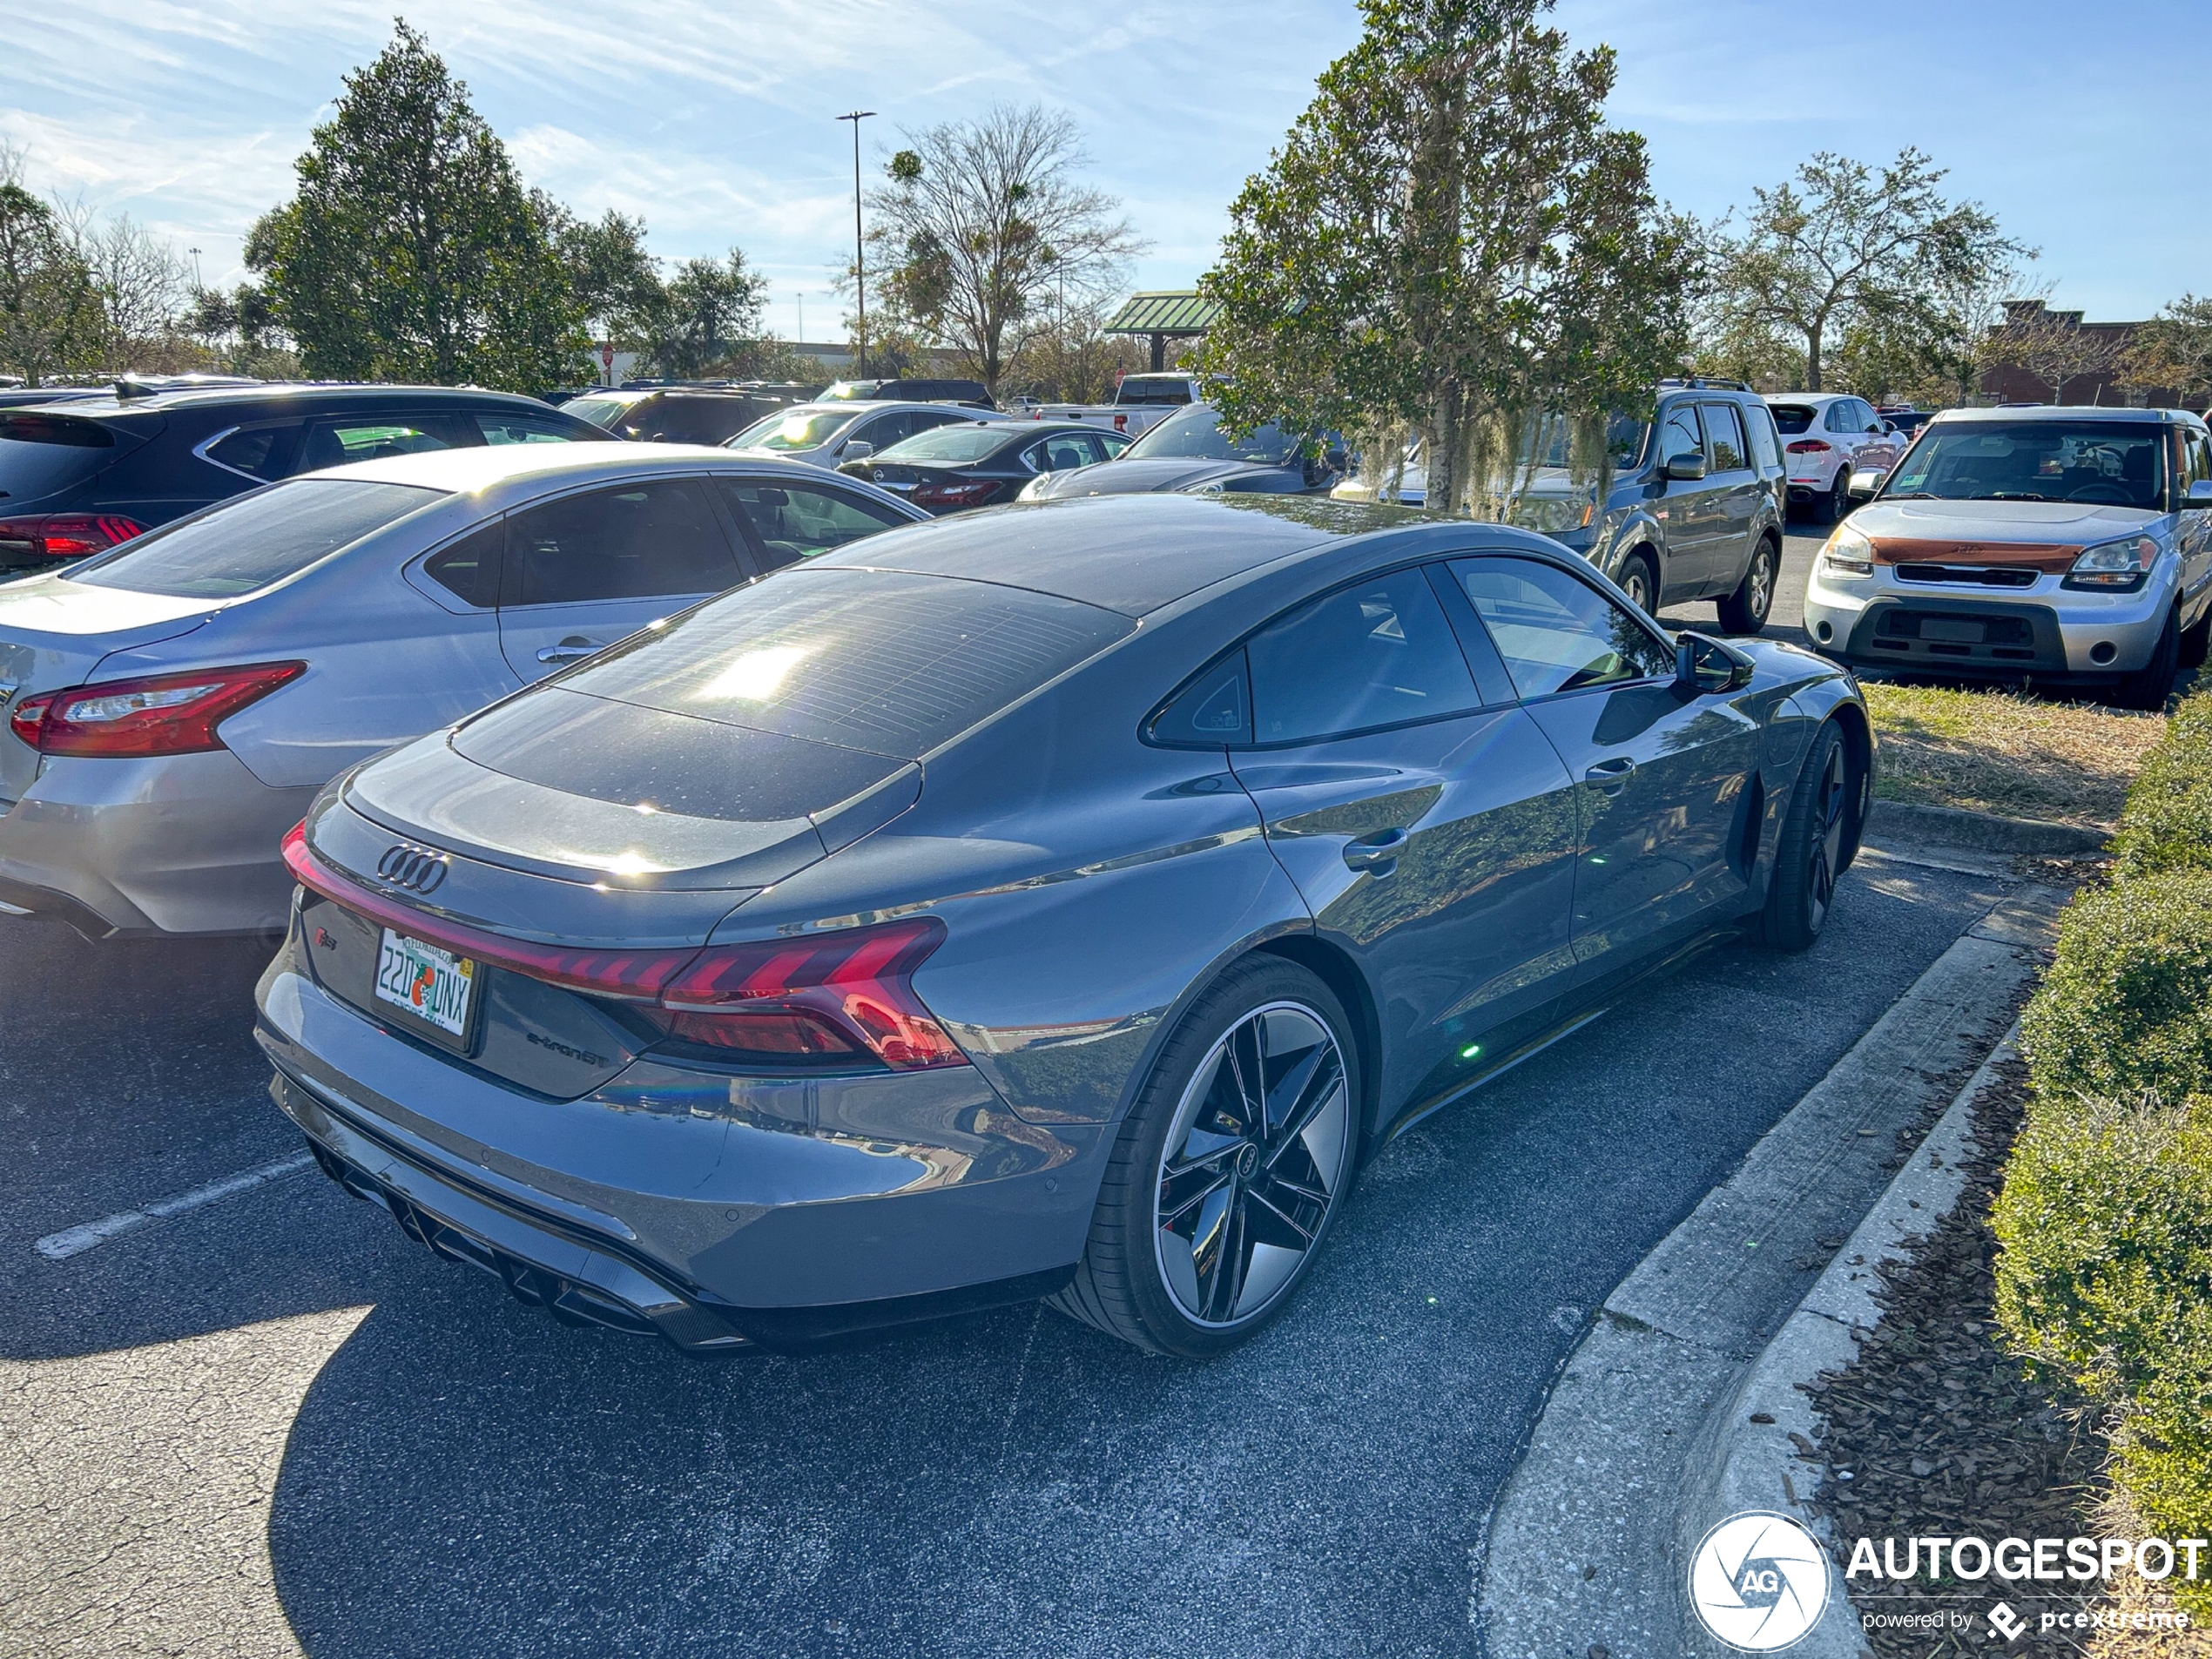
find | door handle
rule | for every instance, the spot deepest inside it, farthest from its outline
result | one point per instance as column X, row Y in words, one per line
column 1611, row 776
column 574, row 649
column 1376, row 854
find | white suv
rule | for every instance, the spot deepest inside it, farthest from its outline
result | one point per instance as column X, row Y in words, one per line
column 1826, row 437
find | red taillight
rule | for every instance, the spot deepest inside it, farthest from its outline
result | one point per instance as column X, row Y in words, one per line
column 951, row 494
column 1808, row 446
column 64, row 536
column 1121, row 423
column 846, row 992
column 159, row 714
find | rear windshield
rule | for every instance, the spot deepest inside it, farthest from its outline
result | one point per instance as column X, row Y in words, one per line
column 244, row 544
column 1134, row 391
column 950, row 443
column 1793, row 418
column 40, row 454
column 2112, row 463
column 600, row 411
column 880, row 660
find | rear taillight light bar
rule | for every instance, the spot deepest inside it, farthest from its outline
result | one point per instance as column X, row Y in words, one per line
column 1809, row 446
column 153, row 715
column 848, row 992
column 951, row 494
column 66, row 536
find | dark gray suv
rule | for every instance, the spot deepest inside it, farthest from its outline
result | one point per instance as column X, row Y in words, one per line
column 1695, row 509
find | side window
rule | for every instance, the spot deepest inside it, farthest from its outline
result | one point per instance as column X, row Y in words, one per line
column 521, row 428
column 1678, row 436
column 1557, row 634
column 1062, row 453
column 469, row 568
column 1766, row 444
column 1214, row 709
column 923, row 420
column 262, row 452
column 885, row 430
column 1838, row 419
column 1110, row 444
column 1724, row 436
column 1377, row 653
column 796, row 522
column 379, row 437
column 635, row 542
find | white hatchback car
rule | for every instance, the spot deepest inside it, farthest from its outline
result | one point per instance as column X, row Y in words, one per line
column 835, row 431
column 1827, row 437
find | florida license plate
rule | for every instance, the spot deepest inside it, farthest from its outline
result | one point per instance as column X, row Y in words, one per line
column 435, row 986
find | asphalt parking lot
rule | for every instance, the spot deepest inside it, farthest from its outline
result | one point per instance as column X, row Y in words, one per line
column 271, row 1423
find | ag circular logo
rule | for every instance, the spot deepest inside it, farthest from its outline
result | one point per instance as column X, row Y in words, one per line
column 1759, row 1582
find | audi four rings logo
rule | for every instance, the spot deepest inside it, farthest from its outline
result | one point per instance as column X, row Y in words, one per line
column 416, row 869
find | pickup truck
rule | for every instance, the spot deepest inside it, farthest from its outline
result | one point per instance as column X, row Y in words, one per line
column 1140, row 401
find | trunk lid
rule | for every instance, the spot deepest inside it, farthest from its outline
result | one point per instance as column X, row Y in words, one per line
column 54, row 633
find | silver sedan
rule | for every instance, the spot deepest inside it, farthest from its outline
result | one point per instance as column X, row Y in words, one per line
column 173, row 706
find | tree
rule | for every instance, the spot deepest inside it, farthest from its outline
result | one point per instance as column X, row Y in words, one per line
column 614, row 285
column 139, row 277
column 1846, row 243
column 1452, row 241
column 2173, row 351
column 981, row 222
column 710, row 319
column 51, row 320
column 412, row 251
column 240, row 333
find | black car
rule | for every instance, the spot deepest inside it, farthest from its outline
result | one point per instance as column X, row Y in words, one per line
column 674, row 413
column 950, row 469
column 973, row 392
column 81, row 475
column 1190, row 453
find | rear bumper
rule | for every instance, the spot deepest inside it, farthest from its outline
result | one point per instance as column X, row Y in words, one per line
column 190, row 844
column 721, row 1212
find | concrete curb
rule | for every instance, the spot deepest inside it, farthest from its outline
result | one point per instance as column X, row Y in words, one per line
column 1987, row 831
column 1745, row 1465
column 1588, row 1543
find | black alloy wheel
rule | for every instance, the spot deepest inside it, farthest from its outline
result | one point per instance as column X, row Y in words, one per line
column 1638, row 583
column 1811, row 851
column 1837, row 507
column 1745, row 611
column 1230, row 1169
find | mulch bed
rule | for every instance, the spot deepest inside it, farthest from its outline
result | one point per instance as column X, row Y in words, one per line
column 1936, row 1430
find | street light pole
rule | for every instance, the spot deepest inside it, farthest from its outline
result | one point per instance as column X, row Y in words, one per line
column 860, row 253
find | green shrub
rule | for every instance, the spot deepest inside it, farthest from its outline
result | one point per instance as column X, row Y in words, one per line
column 2105, row 1274
column 2127, row 1003
column 2167, row 824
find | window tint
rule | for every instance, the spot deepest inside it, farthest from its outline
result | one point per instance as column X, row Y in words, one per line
column 469, row 568
column 1111, row 444
column 1068, row 449
column 1678, row 436
column 1555, row 633
column 638, row 542
column 40, row 454
column 1792, row 418
column 1379, row 653
column 1216, row 709
column 243, row 544
column 263, row 452
column 521, row 428
column 1724, row 436
column 796, row 522
column 1766, row 446
column 880, row 660
column 335, row 443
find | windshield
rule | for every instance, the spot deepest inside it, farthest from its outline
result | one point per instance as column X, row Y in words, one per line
column 948, row 443
column 1551, row 441
column 800, row 429
column 1197, row 432
column 244, row 544
column 2112, row 462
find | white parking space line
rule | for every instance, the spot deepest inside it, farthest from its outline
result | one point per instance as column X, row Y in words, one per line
column 73, row 1241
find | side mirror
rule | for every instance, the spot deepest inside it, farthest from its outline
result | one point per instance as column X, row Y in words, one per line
column 1686, row 468
column 1705, row 667
column 1888, row 429
column 2201, row 493
column 1865, row 482
column 859, row 449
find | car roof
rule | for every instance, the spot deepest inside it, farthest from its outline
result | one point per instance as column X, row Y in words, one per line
column 1132, row 553
column 494, row 466
column 1810, row 400
column 278, row 395
column 2053, row 412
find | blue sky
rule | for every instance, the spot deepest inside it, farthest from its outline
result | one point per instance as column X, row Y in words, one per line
column 2082, row 127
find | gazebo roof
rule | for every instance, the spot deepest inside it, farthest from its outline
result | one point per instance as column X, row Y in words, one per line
column 1165, row 311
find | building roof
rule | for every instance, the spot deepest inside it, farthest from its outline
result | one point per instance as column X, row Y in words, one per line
column 1165, row 311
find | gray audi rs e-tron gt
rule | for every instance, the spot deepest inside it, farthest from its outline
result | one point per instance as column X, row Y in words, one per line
column 1060, row 900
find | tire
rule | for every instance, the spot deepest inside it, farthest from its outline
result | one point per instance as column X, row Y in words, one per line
column 1745, row 611
column 2196, row 639
column 1809, row 855
column 1834, row 508
column 1641, row 583
column 1257, row 1204
column 2150, row 685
